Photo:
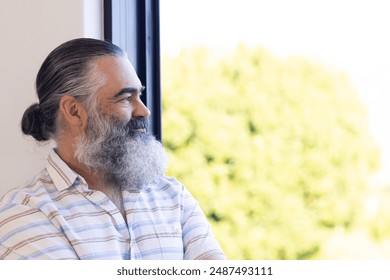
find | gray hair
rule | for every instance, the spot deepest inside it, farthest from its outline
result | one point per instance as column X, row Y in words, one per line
column 68, row 70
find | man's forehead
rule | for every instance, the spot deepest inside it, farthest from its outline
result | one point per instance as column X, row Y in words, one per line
column 118, row 74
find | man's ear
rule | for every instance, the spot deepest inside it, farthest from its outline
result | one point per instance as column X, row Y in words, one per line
column 72, row 112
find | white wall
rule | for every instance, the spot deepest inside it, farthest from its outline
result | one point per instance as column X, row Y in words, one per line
column 29, row 30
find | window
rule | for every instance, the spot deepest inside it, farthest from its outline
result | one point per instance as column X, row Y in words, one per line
column 290, row 137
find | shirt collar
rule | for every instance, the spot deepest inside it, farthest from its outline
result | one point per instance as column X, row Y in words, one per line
column 63, row 176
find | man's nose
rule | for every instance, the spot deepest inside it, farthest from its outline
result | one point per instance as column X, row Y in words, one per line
column 140, row 110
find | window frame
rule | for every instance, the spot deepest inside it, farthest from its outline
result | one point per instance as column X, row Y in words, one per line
column 134, row 25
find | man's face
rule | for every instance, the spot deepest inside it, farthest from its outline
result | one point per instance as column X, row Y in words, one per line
column 115, row 143
column 120, row 95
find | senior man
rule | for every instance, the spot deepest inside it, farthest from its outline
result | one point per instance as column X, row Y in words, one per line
column 103, row 193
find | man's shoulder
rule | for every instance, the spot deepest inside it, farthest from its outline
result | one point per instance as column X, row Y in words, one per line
column 39, row 185
column 169, row 184
column 166, row 186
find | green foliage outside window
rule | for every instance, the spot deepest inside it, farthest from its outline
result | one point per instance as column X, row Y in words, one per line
column 276, row 151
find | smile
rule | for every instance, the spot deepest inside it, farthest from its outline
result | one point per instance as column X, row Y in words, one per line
column 139, row 130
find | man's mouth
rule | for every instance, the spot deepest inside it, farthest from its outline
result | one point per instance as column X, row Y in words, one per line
column 139, row 130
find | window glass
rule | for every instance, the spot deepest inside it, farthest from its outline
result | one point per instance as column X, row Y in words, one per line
column 275, row 117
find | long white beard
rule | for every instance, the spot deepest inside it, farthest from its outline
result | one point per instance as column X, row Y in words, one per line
column 122, row 156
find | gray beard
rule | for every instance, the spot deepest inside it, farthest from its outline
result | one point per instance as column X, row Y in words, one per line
column 122, row 157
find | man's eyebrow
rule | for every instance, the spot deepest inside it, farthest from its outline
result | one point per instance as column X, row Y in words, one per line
column 131, row 90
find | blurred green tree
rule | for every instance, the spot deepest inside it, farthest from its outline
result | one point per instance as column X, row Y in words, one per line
column 276, row 151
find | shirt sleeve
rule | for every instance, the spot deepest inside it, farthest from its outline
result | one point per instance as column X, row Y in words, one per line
column 199, row 241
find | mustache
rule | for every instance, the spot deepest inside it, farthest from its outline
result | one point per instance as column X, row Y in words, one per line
column 132, row 127
column 139, row 123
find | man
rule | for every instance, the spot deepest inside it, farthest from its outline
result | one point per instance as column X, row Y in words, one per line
column 102, row 194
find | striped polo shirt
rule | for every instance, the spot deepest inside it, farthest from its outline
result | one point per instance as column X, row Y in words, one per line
column 56, row 216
